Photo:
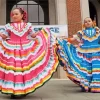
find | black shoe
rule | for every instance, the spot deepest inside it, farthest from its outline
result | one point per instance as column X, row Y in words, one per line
column 18, row 96
column 12, row 97
column 89, row 90
column 83, row 89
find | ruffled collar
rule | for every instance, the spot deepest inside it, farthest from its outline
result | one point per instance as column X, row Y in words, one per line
column 90, row 32
column 18, row 28
column 92, row 37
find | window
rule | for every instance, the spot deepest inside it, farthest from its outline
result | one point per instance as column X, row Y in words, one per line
column 38, row 12
column 93, row 12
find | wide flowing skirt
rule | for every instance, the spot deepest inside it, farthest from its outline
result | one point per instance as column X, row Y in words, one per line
column 82, row 68
column 27, row 65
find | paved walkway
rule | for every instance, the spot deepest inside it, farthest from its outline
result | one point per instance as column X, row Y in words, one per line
column 58, row 90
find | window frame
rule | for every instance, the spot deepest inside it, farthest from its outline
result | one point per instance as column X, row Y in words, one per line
column 42, row 3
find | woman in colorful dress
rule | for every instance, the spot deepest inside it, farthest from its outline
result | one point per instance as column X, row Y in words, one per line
column 82, row 62
column 27, row 59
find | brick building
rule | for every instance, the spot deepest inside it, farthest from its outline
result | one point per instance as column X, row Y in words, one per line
column 51, row 12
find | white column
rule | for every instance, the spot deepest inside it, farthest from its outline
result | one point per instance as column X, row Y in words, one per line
column 3, row 12
column 84, row 9
column 52, row 12
column 61, row 12
column 61, row 19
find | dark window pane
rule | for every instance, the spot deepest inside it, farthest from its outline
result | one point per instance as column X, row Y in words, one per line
column 23, row 6
column 31, row 2
column 41, row 14
column 22, row 2
column 33, row 13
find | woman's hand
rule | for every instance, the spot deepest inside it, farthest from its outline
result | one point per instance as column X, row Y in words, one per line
column 34, row 35
column 79, row 44
column 3, row 36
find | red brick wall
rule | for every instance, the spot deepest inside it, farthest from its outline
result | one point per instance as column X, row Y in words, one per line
column 74, row 16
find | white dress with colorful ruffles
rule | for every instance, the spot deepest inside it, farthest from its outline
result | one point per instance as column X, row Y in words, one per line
column 82, row 64
column 26, row 63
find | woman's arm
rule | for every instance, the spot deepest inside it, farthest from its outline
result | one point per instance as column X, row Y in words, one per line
column 66, row 38
column 70, row 39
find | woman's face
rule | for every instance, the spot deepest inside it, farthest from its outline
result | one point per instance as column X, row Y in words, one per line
column 16, row 15
column 88, row 23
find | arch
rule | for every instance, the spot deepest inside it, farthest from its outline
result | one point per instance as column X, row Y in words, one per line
column 38, row 10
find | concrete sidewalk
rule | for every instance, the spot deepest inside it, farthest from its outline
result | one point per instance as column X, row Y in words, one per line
column 58, row 90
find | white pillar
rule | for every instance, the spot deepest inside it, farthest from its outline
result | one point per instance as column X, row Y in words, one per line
column 61, row 12
column 52, row 12
column 84, row 9
column 61, row 19
column 3, row 12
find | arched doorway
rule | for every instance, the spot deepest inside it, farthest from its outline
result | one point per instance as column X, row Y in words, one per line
column 38, row 10
column 93, row 12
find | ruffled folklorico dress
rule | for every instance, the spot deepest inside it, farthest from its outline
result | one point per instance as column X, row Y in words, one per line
column 26, row 63
column 82, row 64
